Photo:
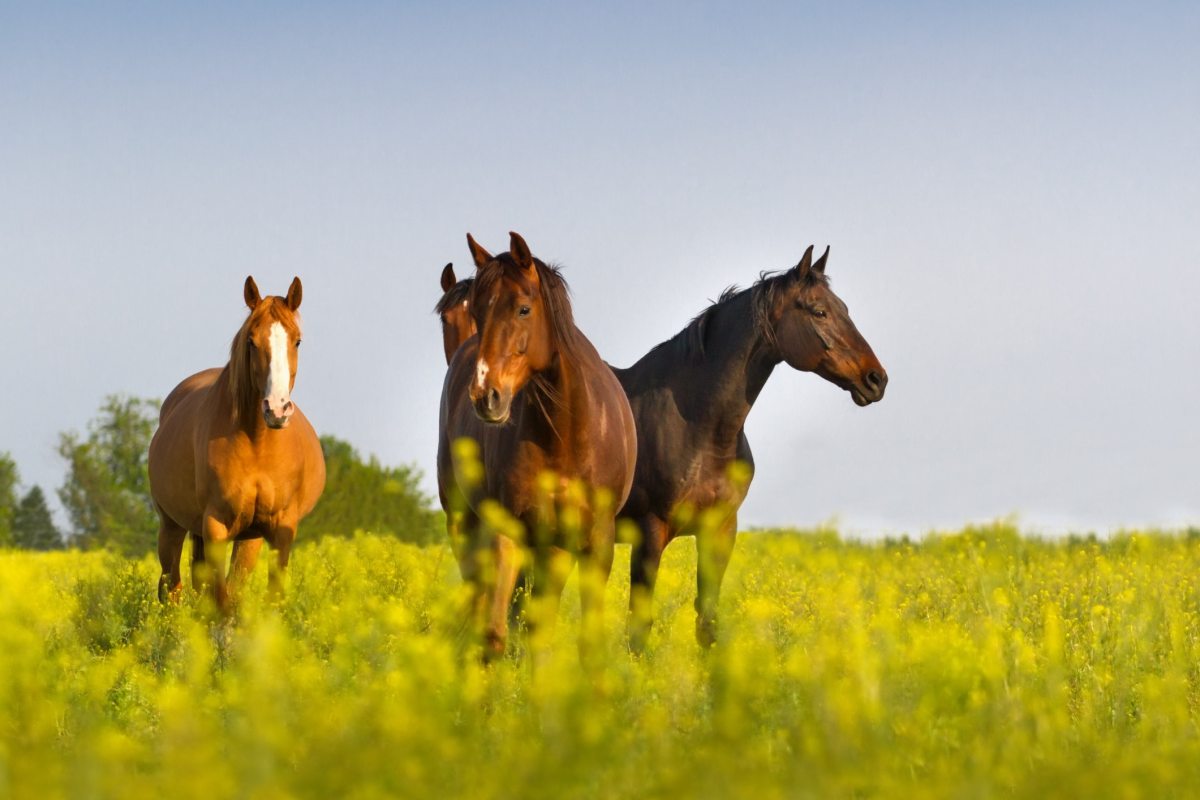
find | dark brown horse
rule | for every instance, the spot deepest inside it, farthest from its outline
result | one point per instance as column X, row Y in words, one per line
column 234, row 459
column 690, row 397
column 555, row 436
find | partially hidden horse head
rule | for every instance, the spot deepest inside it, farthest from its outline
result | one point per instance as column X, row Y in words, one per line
column 454, row 308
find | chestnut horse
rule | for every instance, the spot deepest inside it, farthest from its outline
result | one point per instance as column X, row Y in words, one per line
column 233, row 458
column 690, row 397
column 531, row 390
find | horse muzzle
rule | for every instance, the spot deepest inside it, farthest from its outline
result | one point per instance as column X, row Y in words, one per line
column 493, row 406
column 276, row 415
column 869, row 388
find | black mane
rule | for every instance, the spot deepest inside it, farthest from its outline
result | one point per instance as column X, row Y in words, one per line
column 693, row 339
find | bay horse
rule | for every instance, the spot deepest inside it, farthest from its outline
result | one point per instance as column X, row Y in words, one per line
column 234, row 459
column 690, row 397
column 555, row 437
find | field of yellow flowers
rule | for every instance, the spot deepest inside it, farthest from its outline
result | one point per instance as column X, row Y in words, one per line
column 970, row 665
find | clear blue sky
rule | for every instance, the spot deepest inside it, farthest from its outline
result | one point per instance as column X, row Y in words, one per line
column 1011, row 192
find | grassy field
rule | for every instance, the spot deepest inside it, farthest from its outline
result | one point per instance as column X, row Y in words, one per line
column 974, row 665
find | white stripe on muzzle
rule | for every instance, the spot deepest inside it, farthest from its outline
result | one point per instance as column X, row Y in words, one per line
column 279, row 375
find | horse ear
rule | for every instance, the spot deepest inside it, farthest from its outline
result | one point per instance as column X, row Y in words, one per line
column 448, row 279
column 250, row 292
column 295, row 294
column 801, row 269
column 480, row 255
column 819, row 266
column 519, row 251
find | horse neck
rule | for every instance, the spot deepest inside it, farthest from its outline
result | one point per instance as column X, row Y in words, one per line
column 738, row 360
column 242, row 410
column 558, row 400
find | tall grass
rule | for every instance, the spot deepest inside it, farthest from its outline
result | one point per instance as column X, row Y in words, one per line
column 972, row 665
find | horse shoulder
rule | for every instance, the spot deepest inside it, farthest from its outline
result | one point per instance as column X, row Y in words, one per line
column 312, row 459
column 743, row 450
column 186, row 389
column 454, row 387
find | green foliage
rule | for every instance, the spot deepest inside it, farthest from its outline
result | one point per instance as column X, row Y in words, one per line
column 8, row 497
column 33, row 527
column 366, row 496
column 972, row 665
column 107, row 489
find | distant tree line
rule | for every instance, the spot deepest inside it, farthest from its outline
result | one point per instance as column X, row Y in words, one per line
column 25, row 519
column 106, row 493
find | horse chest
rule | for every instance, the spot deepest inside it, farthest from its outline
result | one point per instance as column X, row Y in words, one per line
column 254, row 496
column 702, row 492
column 702, row 481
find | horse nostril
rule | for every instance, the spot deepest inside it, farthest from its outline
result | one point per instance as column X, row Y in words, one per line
column 875, row 380
column 493, row 398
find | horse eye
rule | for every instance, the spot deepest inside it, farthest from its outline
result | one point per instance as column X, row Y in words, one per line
column 297, row 344
column 819, row 312
column 524, row 312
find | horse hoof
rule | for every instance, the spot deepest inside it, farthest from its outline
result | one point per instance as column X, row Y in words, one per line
column 167, row 594
column 493, row 647
column 637, row 642
column 706, row 633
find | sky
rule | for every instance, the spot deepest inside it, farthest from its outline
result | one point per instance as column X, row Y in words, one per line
column 1010, row 191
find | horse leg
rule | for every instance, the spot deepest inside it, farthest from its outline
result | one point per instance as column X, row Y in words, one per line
column 595, row 565
column 456, row 525
column 508, row 567
column 460, row 527
column 170, row 549
column 241, row 563
column 277, row 569
column 714, row 545
column 551, row 568
column 643, row 572
column 476, row 564
column 199, row 566
column 216, row 545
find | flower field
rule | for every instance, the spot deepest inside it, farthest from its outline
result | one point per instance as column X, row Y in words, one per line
column 977, row 664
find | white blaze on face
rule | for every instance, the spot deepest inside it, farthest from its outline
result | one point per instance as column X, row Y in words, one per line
column 481, row 371
column 279, row 374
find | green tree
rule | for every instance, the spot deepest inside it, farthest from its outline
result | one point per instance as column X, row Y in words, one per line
column 364, row 495
column 107, row 490
column 8, row 497
column 33, row 527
